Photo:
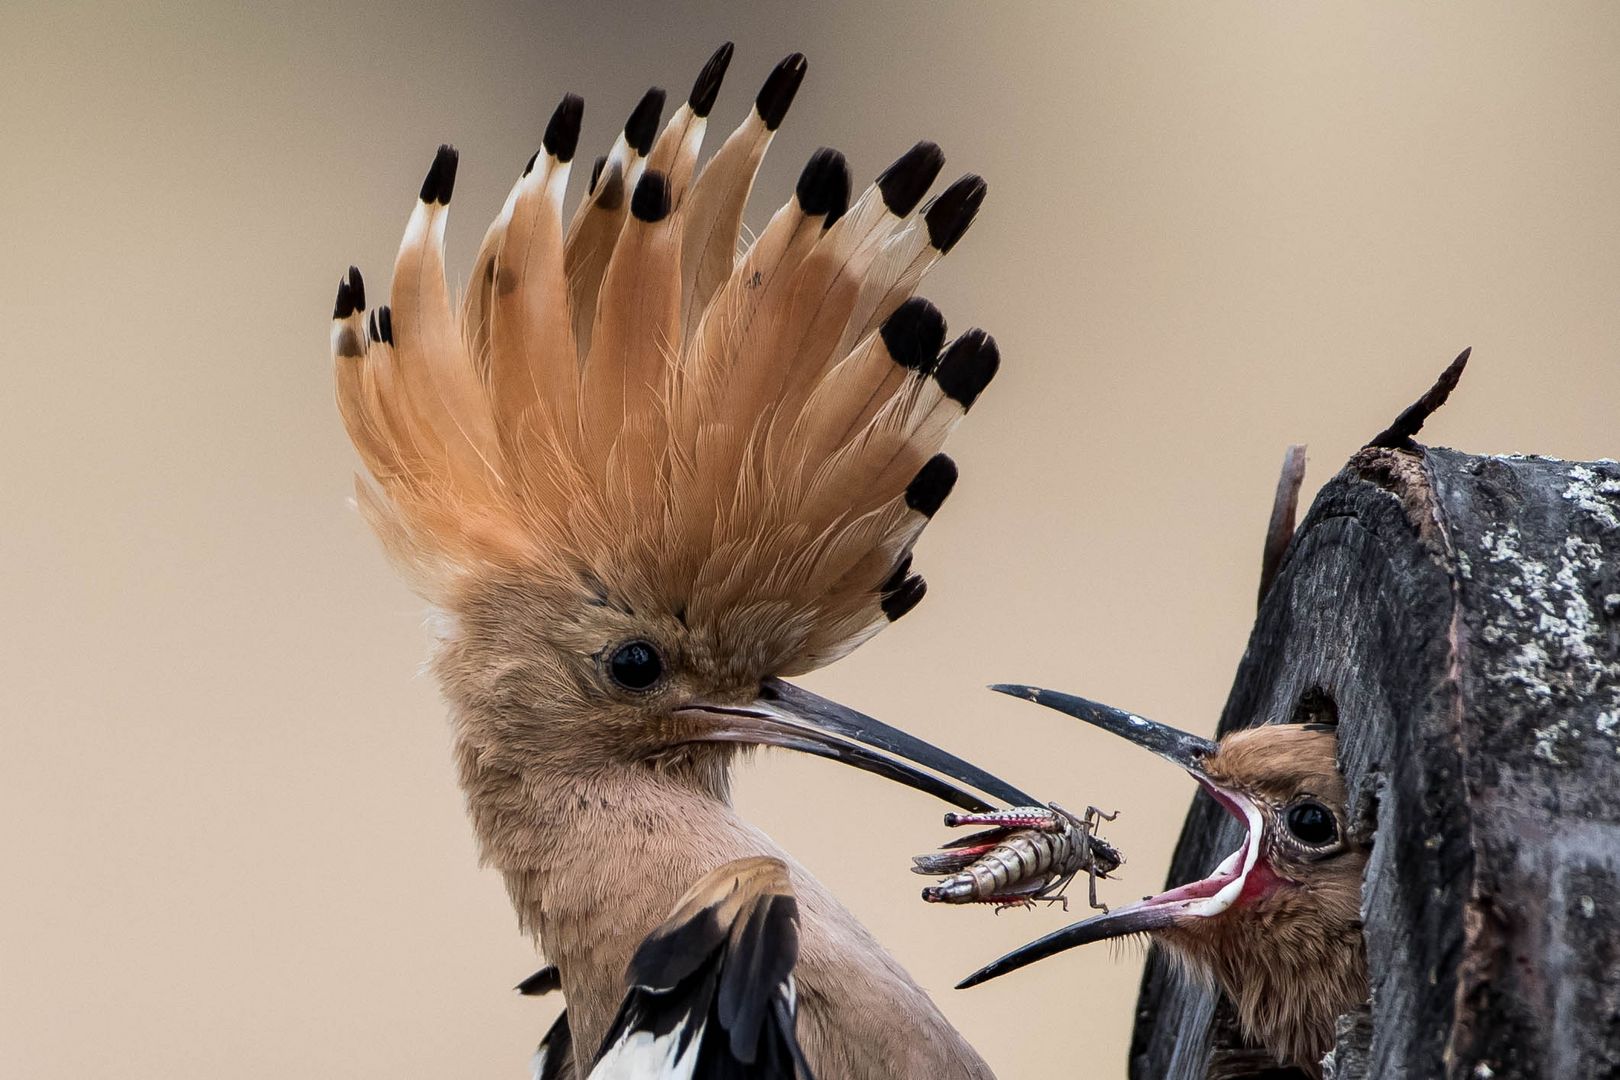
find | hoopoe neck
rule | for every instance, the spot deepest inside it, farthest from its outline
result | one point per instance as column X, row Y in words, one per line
column 594, row 858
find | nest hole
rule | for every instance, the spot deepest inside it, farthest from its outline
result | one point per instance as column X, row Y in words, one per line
column 1316, row 706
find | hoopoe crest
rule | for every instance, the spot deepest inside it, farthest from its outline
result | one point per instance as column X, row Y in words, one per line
column 631, row 412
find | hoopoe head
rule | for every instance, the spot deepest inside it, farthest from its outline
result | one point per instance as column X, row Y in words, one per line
column 644, row 476
column 1277, row 923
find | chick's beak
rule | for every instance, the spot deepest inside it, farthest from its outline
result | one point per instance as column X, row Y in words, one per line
column 792, row 717
column 1178, row 747
column 1178, row 907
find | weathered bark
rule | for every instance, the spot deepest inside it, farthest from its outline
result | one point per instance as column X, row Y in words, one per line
column 1460, row 617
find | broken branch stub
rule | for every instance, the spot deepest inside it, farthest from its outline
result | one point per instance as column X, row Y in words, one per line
column 1284, row 512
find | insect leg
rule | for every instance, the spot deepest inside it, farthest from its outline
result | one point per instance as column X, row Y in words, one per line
column 1093, row 815
column 1053, row 892
column 1087, row 845
column 1017, row 817
column 1020, row 896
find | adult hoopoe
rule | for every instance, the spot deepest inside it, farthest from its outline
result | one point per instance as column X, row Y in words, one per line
column 644, row 477
column 1278, row 923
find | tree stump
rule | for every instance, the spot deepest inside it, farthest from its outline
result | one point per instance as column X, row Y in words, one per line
column 1459, row 618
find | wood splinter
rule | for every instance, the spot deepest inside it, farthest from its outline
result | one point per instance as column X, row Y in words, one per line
column 1284, row 512
column 1398, row 436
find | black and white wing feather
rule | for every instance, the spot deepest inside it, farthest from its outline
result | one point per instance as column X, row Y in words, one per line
column 554, row 1059
column 711, row 990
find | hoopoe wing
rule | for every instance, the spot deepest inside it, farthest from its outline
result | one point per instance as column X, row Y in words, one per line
column 554, row 1058
column 711, row 990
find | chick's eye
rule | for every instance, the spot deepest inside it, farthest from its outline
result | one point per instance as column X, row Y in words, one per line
column 1312, row 823
column 636, row 665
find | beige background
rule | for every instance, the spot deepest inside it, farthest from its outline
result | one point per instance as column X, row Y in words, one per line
column 231, row 842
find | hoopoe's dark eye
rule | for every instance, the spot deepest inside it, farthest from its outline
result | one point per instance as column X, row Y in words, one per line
column 636, row 665
column 1312, row 823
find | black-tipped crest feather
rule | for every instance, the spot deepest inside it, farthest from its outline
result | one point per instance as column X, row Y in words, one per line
column 904, row 183
column 968, row 366
column 899, row 602
column 562, row 131
column 382, row 325
column 896, row 576
column 823, row 187
column 933, row 483
column 706, row 88
column 351, row 295
column 642, row 126
column 440, row 181
column 949, row 216
column 777, row 94
column 914, row 334
column 651, row 199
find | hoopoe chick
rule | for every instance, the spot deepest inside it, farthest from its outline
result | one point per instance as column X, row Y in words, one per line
column 1277, row 924
column 642, row 478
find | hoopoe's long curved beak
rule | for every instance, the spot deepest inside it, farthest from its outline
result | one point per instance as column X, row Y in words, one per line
column 1134, row 919
column 1199, row 899
column 792, row 717
column 1176, row 746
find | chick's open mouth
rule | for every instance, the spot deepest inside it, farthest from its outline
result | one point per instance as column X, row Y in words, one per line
column 1215, row 893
